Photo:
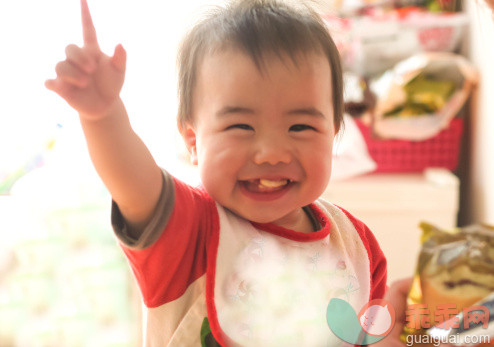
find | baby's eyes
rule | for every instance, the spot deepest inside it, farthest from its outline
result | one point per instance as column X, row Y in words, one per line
column 240, row 126
column 295, row 127
column 301, row 127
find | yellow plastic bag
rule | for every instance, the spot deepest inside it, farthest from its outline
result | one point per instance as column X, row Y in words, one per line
column 453, row 287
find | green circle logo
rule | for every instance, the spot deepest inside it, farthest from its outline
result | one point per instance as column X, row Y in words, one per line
column 374, row 321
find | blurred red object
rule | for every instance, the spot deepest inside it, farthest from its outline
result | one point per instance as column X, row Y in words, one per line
column 441, row 150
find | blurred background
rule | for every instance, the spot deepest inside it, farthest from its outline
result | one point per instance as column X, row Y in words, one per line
column 64, row 280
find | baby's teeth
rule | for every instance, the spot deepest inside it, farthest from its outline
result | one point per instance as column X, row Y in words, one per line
column 272, row 184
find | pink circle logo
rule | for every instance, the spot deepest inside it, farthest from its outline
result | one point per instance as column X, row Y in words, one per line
column 377, row 317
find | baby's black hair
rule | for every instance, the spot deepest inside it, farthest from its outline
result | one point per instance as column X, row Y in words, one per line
column 258, row 28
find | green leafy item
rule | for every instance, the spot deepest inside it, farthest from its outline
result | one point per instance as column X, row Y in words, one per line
column 207, row 338
column 425, row 95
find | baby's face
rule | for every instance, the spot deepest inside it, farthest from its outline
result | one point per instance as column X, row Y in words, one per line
column 263, row 142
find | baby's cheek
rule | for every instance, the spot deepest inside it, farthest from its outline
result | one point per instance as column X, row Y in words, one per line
column 208, row 177
column 210, row 182
column 320, row 174
column 217, row 182
column 321, row 155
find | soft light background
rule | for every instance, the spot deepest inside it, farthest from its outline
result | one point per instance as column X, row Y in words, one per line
column 34, row 35
column 478, row 203
column 63, row 280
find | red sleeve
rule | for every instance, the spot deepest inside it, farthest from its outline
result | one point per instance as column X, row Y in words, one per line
column 177, row 258
column 377, row 260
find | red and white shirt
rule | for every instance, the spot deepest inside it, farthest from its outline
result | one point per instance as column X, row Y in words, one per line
column 257, row 284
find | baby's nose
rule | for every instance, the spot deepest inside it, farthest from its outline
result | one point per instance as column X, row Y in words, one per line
column 272, row 151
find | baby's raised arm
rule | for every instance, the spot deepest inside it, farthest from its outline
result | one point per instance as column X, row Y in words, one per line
column 90, row 82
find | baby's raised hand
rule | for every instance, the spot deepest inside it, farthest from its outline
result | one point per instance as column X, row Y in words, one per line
column 89, row 80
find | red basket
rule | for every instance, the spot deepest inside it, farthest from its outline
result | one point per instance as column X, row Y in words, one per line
column 413, row 156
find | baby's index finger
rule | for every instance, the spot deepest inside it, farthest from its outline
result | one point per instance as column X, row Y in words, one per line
column 88, row 30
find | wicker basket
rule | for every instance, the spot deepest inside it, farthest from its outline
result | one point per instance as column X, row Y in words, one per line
column 414, row 156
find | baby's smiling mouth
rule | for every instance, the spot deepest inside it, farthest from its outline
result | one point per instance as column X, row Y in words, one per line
column 263, row 185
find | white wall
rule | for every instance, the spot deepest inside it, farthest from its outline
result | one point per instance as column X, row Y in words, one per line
column 33, row 35
column 480, row 197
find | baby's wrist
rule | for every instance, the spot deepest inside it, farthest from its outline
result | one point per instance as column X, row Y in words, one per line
column 113, row 109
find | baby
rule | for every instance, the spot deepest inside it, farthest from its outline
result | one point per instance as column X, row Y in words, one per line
column 253, row 256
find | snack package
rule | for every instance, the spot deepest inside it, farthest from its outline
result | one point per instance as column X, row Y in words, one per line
column 425, row 95
column 452, row 295
column 421, row 95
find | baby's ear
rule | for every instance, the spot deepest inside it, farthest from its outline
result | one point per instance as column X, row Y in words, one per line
column 189, row 135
